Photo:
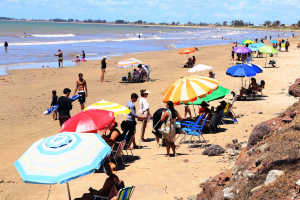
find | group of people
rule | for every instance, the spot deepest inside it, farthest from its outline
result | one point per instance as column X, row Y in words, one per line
column 191, row 62
column 77, row 59
column 252, row 89
column 65, row 103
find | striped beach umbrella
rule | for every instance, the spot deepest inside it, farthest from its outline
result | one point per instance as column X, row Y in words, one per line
column 128, row 63
column 62, row 158
column 109, row 106
column 188, row 89
column 248, row 41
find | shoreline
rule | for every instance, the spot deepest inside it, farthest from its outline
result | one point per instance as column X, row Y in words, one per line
column 27, row 93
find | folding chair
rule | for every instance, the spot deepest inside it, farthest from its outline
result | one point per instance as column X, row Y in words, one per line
column 117, row 151
column 123, row 194
column 136, row 78
column 196, row 130
column 128, row 143
column 212, row 121
column 219, row 120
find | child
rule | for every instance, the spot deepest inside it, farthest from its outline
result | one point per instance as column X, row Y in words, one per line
column 54, row 103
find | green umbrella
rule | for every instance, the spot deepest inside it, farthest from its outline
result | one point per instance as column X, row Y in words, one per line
column 220, row 93
column 267, row 50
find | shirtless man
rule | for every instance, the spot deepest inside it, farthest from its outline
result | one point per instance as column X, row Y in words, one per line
column 82, row 90
column 60, row 58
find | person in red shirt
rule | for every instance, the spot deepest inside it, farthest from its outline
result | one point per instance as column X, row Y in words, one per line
column 204, row 110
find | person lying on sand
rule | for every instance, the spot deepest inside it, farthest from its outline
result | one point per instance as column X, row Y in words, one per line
column 110, row 170
column 253, row 87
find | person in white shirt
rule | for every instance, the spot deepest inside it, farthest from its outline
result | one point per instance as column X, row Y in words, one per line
column 144, row 111
column 144, row 71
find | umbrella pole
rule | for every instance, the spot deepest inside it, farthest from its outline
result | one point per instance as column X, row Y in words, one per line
column 69, row 190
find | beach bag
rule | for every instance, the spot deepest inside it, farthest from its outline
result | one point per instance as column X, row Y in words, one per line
column 165, row 127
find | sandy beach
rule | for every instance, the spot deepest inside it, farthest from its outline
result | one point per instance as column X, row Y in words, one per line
column 27, row 93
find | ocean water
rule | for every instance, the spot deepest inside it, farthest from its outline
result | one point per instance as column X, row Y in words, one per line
column 33, row 44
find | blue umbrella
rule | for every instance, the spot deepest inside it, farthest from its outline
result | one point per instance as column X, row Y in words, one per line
column 273, row 42
column 260, row 69
column 62, row 158
column 242, row 70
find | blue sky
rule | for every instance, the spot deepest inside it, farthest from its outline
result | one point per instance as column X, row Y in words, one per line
column 210, row 11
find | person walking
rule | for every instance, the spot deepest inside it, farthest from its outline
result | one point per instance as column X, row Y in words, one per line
column 64, row 106
column 144, row 111
column 168, row 128
column 132, row 116
column 60, row 58
column 5, row 45
column 82, row 90
column 103, row 67
column 287, row 44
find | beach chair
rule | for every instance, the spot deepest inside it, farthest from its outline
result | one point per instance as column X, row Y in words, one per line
column 136, row 78
column 128, row 143
column 219, row 120
column 123, row 194
column 196, row 130
column 117, row 151
column 228, row 113
column 210, row 123
column 148, row 75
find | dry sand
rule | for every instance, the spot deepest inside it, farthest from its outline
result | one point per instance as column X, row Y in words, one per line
column 25, row 94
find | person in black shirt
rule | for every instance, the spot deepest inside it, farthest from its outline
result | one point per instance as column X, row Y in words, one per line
column 83, row 55
column 103, row 67
column 54, row 103
column 64, row 106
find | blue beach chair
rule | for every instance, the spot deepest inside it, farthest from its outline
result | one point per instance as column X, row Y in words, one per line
column 123, row 194
column 196, row 130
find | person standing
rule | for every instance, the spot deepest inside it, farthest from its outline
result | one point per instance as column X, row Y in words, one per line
column 60, row 58
column 82, row 90
column 232, row 54
column 139, row 36
column 132, row 116
column 54, row 103
column 168, row 129
column 270, row 37
column 144, row 111
column 83, row 55
column 5, row 45
column 103, row 67
column 287, row 44
column 64, row 106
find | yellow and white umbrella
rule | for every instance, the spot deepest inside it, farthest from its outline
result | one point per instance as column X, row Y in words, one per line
column 109, row 106
column 189, row 88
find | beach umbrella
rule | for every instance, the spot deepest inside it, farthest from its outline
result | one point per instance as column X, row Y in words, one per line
column 242, row 50
column 242, row 70
column 219, row 93
column 128, row 63
column 199, row 68
column 247, row 41
column 273, row 42
column 267, row 50
column 256, row 46
column 259, row 68
column 109, row 106
column 89, row 121
column 188, row 89
column 62, row 158
column 187, row 50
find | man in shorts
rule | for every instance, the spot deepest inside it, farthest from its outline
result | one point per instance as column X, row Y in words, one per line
column 82, row 90
column 60, row 58
column 64, row 106
column 132, row 116
column 103, row 68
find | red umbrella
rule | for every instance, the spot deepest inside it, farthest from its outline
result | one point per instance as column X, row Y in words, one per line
column 89, row 121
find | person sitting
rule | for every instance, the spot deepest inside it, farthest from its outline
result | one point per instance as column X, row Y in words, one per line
column 204, row 110
column 126, row 130
column 110, row 182
column 298, row 46
column 135, row 73
column 193, row 61
column 189, row 62
column 252, row 89
column 211, row 74
column 261, row 86
column 113, row 136
column 115, row 190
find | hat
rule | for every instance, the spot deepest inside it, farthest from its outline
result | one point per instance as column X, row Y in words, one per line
column 204, row 104
column 223, row 102
column 146, row 92
column 104, row 56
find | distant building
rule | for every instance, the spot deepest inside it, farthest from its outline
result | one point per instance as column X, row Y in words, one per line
column 119, row 21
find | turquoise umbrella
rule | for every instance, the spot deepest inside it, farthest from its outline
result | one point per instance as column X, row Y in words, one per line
column 220, row 93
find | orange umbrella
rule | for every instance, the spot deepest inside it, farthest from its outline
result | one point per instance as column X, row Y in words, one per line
column 280, row 39
column 187, row 50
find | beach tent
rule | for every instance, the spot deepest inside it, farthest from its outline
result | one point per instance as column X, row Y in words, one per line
column 62, row 158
